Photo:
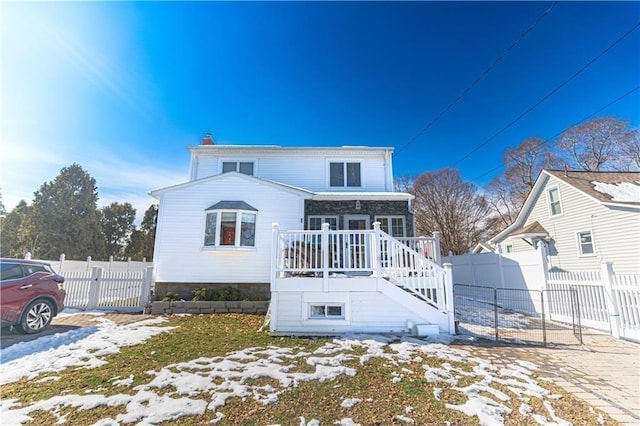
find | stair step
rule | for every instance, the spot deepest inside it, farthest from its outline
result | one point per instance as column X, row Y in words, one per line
column 421, row 330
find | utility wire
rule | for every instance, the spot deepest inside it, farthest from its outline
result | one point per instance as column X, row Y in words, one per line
column 548, row 95
column 562, row 131
column 477, row 79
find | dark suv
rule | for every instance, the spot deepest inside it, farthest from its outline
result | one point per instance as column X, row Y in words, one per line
column 31, row 294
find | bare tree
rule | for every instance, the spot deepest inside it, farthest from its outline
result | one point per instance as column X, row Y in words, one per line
column 445, row 203
column 631, row 149
column 508, row 192
column 599, row 144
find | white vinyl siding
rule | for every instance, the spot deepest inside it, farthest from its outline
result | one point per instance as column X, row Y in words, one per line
column 302, row 169
column 180, row 255
column 616, row 229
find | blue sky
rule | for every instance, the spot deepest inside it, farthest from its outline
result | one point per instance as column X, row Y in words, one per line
column 122, row 88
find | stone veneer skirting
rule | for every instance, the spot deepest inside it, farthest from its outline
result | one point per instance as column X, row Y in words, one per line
column 183, row 307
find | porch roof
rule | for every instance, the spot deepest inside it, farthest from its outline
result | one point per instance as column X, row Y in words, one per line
column 382, row 196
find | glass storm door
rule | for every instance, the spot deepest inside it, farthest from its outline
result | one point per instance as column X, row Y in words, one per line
column 357, row 251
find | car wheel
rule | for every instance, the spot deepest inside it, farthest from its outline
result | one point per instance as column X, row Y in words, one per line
column 36, row 317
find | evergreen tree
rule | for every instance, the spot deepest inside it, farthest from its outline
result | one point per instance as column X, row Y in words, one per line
column 117, row 227
column 66, row 218
column 16, row 232
column 143, row 239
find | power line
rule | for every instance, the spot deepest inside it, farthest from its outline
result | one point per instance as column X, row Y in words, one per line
column 618, row 99
column 548, row 95
column 477, row 79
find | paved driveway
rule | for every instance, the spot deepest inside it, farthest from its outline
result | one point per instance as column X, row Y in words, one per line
column 62, row 324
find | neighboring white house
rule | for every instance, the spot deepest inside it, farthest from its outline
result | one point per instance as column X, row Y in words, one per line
column 217, row 229
column 586, row 218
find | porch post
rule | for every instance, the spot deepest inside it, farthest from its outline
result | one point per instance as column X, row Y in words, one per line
column 325, row 257
column 376, row 255
column 275, row 229
column 436, row 248
column 606, row 276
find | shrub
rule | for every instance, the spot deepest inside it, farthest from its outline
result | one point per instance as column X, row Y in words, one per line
column 171, row 297
column 215, row 295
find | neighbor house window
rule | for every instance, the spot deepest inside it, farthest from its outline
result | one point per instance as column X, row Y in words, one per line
column 585, row 244
column 244, row 167
column 315, row 222
column 392, row 225
column 326, row 311
column 509, row 248
column 230, row 223
column 345, row 174
column 555, row 208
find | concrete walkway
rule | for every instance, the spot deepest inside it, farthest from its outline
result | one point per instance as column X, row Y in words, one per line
column 604, row 371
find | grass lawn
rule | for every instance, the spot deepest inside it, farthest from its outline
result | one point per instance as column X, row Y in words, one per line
column 220, row 369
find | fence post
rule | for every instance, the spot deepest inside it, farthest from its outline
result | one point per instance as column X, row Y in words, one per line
column 147, row 278
column 612, row 303
column 27, row 255
column 448, row 297
column 500, row 266
column 94, row 288
column 60, row 267
column 325, row 257
column 88, row 262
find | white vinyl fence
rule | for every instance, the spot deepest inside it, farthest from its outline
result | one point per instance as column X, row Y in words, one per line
column 607, row 301
column 114, row 291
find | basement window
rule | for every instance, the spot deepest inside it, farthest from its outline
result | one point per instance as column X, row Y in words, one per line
column 322, row 311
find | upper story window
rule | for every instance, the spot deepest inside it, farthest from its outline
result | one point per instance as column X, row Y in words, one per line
column 555, row 206
column 244, row 167
column 230, row 223
column 585, row 244
column 345, row 174
column 392, row 225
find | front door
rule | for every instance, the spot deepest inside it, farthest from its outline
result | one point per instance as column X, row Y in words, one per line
column 357, row 258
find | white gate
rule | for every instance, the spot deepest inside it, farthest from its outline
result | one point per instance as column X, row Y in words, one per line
column 115, row 291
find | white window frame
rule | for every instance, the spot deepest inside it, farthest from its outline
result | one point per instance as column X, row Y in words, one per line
column 326, row 307
column 344, row 162
column 549, row 202
column 390, row 220
column 238, row 161
column 236, row 245
column 323, row 219
column 593, row 243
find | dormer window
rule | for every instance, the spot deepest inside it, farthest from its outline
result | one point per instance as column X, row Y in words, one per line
column 345, row 174
column 230, row 224
column 244, row 167
column 553, row 196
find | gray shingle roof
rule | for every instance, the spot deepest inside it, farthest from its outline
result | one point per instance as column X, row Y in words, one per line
column 232, row 205
column 583, row 181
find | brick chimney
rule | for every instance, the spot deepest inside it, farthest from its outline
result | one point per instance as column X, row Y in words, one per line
column 208, row 140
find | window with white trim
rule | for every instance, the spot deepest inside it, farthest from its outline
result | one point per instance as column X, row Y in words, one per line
column 315, row 222
column 328, row 311
column 345, row 174
column 585, row 244
column 553, row 196
column 244, row 167
column 509, row 248
column 392, row 225
column 230, row 228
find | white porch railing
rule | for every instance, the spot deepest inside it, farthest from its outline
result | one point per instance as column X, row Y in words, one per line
column 372, row 253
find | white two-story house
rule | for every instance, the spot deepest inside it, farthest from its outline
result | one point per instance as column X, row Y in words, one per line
column 220, row 227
